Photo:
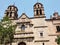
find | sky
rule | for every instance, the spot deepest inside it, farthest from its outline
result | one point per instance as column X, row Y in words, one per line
column 26, row 6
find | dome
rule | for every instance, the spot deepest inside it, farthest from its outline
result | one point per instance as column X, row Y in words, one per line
column 38, row 4
column 13, row 7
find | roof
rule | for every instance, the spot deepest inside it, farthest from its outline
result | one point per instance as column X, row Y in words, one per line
column 13, row 6
column 23, row 14
column 38, row 3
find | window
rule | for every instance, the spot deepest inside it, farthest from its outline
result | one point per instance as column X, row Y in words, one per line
column 10, row 14
column 40, row 12
column 7, row 13
column 37, row 12
column 58, row 28
column 54, row 18
column 22, row 43
column 38, row 6
column 41, row 34
column 42, row 43
column 10, row 8
column 23, row 27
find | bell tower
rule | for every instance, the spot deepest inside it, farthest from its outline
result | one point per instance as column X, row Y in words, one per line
column 11, row 12
column 39, row 10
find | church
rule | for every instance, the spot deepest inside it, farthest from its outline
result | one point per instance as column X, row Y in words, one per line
column 36, row 30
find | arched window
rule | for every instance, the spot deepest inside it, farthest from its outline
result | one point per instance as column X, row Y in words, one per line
column 58, row 28
column 23, row 27
column 10, row 14
column 7, row 13
column 37, row 12
column 38, row 6
column 43, row 44
column 10, row 8
column 41, row 34
column 40, row 12
column 22, row 43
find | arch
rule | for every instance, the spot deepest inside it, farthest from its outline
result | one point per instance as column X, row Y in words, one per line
column 43, row 44
column 40, row 12
column 10, row 14
column 37, row 12
column 22, row 43
column 23, row 27
column 38, row 4
column 7, row 13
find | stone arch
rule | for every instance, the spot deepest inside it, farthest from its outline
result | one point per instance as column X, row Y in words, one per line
column 21, row 43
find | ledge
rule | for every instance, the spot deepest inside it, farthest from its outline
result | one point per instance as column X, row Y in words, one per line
column 51, row 19
column 23, row 33
column 40, row 26
column 54, row 34
column 41, row 40
column 23, row 37
column 37, row 17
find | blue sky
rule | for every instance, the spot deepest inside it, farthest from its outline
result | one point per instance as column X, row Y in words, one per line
column 26, row 6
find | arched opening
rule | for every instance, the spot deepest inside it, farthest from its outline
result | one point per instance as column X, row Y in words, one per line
column 40, row 12
column 10, row 8
column 10, row 14
column 43, row 44
column 7, row 13
column 37, row 12
column 38, row 6
column 23, row 27
column 41, row 34
column 22, row 43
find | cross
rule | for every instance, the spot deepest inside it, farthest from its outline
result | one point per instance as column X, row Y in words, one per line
column 14, row 4
column 37, row 0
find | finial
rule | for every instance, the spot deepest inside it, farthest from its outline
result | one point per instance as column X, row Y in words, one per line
column 14, row 3
column 55, row 11
column 37, row 0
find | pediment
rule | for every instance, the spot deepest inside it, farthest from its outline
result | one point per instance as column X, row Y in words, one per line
column 24, row 18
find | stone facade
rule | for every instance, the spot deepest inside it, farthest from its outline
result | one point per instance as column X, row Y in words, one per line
column 35, row 30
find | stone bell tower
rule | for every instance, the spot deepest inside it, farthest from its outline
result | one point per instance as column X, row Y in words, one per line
column 39, row 10
column 11, row 12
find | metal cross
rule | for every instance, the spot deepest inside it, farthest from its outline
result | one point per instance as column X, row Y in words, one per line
column 37, row 0
column 14, row 3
